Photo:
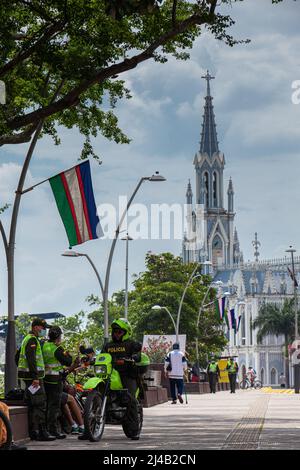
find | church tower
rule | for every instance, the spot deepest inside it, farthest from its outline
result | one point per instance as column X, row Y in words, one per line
column 211, row 223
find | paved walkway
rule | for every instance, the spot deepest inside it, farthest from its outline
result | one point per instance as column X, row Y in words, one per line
column 249, row 419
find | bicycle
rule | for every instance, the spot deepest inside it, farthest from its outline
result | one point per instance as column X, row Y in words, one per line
column 7, row 427
column 245, row 384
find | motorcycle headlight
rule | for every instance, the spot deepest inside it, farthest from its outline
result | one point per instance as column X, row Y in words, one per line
column 100, row 369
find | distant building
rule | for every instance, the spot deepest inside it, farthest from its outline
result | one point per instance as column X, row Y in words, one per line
column 251, row 285
column 211, row 236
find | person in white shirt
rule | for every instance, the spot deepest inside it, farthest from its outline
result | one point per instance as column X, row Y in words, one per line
column 175, row 366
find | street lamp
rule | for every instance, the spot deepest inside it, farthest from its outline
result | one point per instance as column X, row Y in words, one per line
column 190, row 280
column 154, row 178
column 127, row 238
column 211, row 285
column 75, row 254
column 296, row 366
column 158, row 307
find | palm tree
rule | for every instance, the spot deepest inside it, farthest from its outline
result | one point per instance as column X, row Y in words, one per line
column 277, row 320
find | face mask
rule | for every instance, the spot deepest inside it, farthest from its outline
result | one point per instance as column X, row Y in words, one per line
column 42, row 334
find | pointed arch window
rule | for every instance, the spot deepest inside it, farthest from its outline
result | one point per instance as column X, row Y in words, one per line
column 274, row 376
column 215, row 189
column 206, row 188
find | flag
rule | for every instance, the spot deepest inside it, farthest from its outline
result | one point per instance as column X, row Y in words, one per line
column 222, row 307
column 293, row 277
column 238, row 323
column 233, row 320
column 218, row 311
column 228, row 319
column 73, row 193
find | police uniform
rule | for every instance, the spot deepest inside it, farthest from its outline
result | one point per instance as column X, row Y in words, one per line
column 31, row 367
column 55, row 359
column 130, row 349
column 213, row 372
column 126, row 349
column 232, row 369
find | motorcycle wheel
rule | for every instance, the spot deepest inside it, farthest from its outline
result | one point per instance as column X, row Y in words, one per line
column 93, row 424
column 127, row 427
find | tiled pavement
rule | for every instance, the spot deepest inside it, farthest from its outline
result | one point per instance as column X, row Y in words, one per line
column 248, row 419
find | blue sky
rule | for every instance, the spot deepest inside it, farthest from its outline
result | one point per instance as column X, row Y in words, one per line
column 258, row 129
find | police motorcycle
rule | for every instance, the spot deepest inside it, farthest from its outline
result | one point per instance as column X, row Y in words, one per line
column 107, row 400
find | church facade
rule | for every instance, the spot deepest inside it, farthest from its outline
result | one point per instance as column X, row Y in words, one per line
column 211, row 235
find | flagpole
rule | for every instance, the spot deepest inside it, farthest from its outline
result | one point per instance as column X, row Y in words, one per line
column 47, row 179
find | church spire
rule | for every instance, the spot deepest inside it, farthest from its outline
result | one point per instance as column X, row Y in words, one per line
column 189, row 193
column 230, row 193
column 209, row 141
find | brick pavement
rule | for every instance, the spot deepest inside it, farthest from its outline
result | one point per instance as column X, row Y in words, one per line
column 246, row 420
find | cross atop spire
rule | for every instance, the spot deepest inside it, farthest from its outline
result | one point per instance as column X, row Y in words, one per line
column 208, row 78
column 209, row 140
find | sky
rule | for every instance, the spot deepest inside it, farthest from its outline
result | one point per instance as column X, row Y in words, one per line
column 258, row 130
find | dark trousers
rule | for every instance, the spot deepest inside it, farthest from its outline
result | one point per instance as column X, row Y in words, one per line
column 132, row 416
column 212, row 378
column 176, row 384
column 37, row 406
column 232, row 380
column 54, row 393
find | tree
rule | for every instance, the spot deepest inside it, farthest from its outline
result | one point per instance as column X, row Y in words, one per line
column 163, row 283
column 81, row 47
column 277, row 320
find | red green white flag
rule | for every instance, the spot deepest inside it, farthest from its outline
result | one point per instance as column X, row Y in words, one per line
column 73, row 193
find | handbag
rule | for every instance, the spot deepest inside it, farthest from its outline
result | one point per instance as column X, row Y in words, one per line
column 169, row 366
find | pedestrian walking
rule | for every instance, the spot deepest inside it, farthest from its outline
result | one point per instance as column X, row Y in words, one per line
column 31, row 369
column 232, row 369
column 282, row 380
column 175, row 366
column 55, row 358
column 213, row 372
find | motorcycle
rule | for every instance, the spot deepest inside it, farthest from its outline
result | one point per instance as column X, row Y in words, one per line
column 107, row 400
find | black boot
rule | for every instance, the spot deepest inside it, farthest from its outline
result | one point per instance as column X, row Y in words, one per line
column 57, row 434
column 34, row 435
column 44, row 435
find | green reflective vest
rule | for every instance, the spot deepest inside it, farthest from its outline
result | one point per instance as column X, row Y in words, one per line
column 231, row 367
column 23, row 368
column 52, row 365
column 213, row 367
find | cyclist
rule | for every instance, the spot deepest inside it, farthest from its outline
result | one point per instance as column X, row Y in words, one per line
column 251, row 374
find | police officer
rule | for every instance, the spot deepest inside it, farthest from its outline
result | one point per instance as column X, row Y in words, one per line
column 232, row 369
column 31, row 369
column 55, row 358
column 213, row 372
column 122, row 346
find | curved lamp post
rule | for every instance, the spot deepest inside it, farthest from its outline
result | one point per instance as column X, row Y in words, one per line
column 158, row 307
column 154, row 178
column 211, row 285
column 189, row 282
column 75, row 254
column 128, row 239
